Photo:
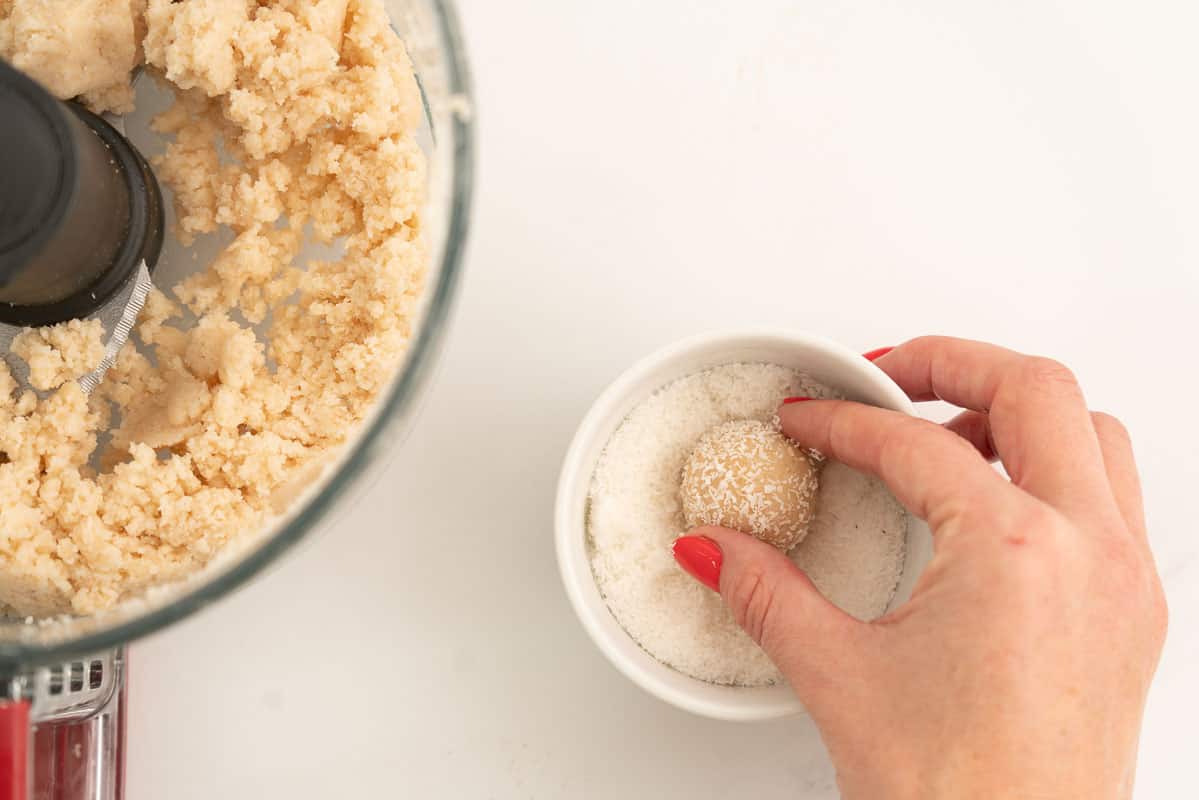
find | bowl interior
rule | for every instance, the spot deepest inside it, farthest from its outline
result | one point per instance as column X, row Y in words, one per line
column 825, row 361
column 429, row 30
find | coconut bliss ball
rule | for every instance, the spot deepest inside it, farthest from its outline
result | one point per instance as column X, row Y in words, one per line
column 746, row 475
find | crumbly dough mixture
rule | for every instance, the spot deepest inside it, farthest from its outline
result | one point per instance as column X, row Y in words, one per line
column 75, row 47
column 293, row 119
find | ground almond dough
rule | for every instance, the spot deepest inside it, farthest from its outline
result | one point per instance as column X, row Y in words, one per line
column 315, row 107
column 75, row 47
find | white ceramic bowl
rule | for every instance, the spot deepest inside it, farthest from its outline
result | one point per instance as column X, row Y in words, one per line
column 827, row 362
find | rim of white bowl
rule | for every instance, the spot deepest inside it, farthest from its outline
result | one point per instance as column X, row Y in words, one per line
column 574, row 563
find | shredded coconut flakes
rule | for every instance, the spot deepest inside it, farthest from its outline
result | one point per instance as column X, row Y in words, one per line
column 853, row 552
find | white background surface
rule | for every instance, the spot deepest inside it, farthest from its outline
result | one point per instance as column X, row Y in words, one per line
column 1024, row 172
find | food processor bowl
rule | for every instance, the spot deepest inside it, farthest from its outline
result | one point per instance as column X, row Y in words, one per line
column 430, row 32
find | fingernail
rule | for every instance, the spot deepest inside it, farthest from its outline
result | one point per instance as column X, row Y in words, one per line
column 874, row 355
column 701, row 558
column 789, row 400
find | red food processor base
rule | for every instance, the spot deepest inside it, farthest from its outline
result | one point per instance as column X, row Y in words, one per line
column 62, row 731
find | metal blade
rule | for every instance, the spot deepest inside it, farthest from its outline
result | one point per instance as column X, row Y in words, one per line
column 117, row 316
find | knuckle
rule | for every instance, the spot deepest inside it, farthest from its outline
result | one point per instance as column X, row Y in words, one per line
column 1159, row 614
column 1122, row 561
column 911, row 437
column 906, row 432
column 1040, row 371
column 840, row 427
column 896, row 445
column 1109, row 427
column 752, row 601
column 963, row 444
column 930, row 342
column 1129, row 572
column 1156, row 611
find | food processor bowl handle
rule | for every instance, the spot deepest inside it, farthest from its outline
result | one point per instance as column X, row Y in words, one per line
column 14, row 749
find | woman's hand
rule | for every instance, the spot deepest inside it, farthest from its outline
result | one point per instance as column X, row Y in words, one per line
column 1020, row 665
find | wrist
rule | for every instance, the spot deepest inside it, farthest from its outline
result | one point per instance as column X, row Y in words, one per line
column 983, row 779
column 992, row 781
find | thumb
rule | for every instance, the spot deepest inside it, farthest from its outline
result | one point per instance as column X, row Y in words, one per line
column 804, row 634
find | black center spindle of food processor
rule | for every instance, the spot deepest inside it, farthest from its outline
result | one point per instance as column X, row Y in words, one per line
column 79, row 207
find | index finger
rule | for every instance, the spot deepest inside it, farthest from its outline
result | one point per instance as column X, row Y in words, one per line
column 1039, row 419
column 935, row 473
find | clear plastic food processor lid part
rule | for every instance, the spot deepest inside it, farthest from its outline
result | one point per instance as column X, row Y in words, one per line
column 216, row 309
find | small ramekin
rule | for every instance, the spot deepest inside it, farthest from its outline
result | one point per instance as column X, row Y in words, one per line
column 827, row 362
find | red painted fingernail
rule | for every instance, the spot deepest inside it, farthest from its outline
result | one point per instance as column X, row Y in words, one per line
column 874, row 355
column 701, row 557
column 789, row 400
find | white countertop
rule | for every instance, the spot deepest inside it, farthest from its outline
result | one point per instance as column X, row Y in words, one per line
column 1021, row 172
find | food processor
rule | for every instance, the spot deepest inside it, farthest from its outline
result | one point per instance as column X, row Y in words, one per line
column 82, row 223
